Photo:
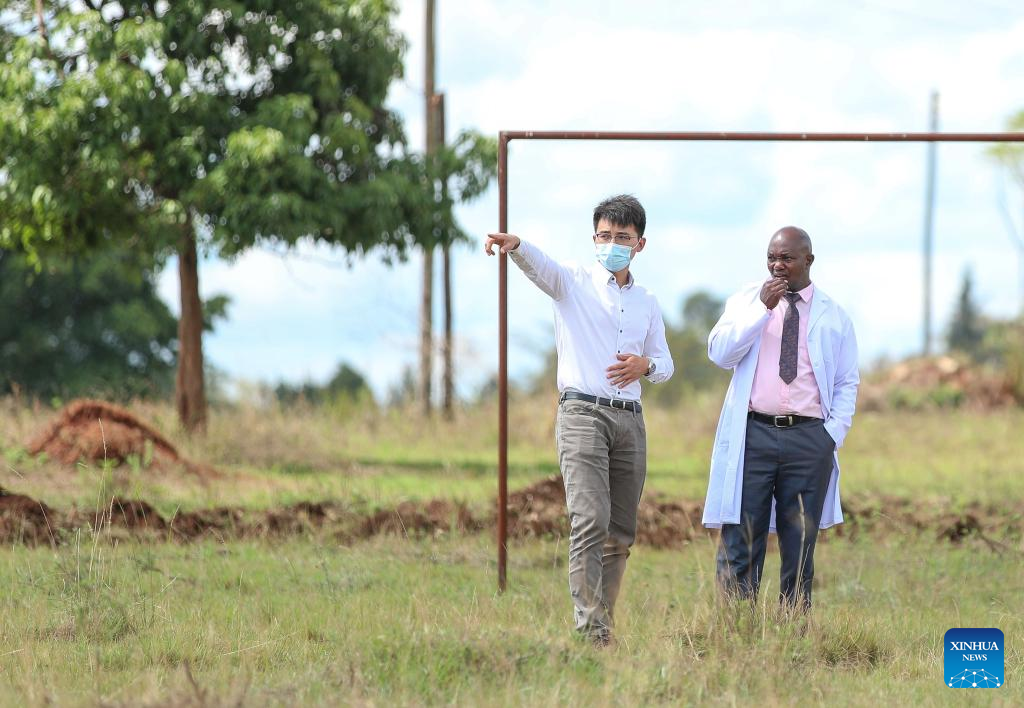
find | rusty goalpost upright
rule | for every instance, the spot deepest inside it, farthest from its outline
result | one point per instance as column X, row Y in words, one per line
column 506, row 136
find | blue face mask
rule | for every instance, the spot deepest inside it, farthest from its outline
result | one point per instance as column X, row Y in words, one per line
column 613, row 257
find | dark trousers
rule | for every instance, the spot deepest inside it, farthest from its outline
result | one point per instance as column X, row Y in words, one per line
column 793, row 466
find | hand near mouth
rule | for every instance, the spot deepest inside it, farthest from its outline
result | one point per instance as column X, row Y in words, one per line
column 773, row 290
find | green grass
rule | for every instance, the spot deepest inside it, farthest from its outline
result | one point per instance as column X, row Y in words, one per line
column 308, row 620
column 411, row 622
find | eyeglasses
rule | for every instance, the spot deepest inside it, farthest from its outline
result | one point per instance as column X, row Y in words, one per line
column 620, row 238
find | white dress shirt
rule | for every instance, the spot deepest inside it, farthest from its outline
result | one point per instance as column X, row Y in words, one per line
column 595, row 319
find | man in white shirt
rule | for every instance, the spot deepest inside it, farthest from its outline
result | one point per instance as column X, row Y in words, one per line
column 608, row 333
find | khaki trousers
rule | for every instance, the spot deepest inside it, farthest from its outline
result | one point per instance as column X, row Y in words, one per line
column 602, row 453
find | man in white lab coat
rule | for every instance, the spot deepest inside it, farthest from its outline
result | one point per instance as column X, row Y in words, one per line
column 790, row 404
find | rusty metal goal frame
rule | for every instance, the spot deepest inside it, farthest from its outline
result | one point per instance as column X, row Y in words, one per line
column 505, row 137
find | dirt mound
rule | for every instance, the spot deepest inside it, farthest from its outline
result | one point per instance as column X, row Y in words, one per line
column 25, row 520
column 895, row 516
column 95, row 431
column 297, row 519
column 219, row 522
column 539, row 510
column 961, row 528
column 941, row 381
column 410, row 518
column 131, row 514
column 668, row 524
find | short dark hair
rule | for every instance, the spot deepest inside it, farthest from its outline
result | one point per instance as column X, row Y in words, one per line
column 622, row 210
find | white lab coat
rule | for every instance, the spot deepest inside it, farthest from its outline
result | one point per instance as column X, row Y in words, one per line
column 733, row 344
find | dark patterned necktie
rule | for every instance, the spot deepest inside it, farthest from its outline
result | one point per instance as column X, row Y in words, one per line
column 790, row 335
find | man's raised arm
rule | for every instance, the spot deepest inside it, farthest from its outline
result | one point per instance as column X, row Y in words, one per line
column 546, row 273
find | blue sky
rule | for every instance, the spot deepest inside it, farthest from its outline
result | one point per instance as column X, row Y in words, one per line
column 796, row 66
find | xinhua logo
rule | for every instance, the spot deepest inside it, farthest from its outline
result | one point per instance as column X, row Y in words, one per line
column 973, row 658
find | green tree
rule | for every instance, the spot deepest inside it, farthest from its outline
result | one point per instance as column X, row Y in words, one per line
column 967, row 326
column 701, row 311
column 346, row 384
column 198, row 127
column 689, row 346
column 85, row 325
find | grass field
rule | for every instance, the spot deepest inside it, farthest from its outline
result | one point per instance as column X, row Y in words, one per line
column 396, row 620
column 410, row 622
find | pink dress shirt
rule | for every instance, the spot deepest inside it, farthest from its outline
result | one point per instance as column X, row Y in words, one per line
column 770, row 393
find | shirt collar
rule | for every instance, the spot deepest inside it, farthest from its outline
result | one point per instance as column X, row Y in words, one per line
column 807, row 293
column 603, row 277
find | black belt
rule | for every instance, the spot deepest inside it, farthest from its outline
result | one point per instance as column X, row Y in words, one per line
column 633, row 406
column 781, row 421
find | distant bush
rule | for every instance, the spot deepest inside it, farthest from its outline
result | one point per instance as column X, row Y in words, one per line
column 1003, row 346
column 347, row 387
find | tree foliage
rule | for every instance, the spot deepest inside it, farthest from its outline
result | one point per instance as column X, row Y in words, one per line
column 86, row 325
column 688, row 342
column 347, row 385
column 215, row 126
column 1011, row 155
column 967, row 326
column 248, row 121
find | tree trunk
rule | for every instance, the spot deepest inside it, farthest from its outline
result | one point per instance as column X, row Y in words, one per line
column 449, row 374
column 427, row 297
column 426, row 329
column 189, row 389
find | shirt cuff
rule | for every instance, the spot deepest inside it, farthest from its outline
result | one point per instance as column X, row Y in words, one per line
column 521, row 253
column 660, row 369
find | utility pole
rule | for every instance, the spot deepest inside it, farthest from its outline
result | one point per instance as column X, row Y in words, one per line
column 929, row 208
column 448, row 379
column 427, row 297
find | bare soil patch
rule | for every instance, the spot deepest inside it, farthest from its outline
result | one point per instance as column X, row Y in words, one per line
column 25, row 520
column 535, row 511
